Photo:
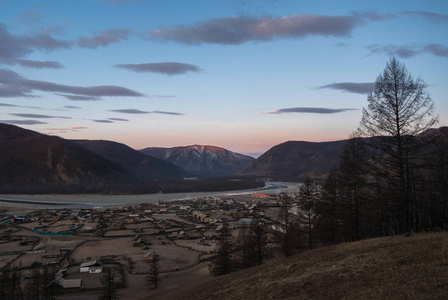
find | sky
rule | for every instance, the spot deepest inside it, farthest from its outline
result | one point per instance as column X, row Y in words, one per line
column 245, row 75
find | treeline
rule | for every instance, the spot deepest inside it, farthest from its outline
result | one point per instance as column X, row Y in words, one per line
column 392, row 178
column 143, row 187
column 37, row 283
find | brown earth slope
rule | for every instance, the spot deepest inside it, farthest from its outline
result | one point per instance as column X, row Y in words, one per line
column 383, row 268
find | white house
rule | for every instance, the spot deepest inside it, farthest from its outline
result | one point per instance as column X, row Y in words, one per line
column 94, row 266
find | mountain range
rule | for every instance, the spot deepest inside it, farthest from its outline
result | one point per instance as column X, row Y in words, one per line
column 204, row 161
column 28, row 158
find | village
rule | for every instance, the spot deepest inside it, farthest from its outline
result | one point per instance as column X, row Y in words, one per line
column 78, row 243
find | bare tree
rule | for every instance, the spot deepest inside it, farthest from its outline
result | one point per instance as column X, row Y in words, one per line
column 222, row 263
column 307, row 201
column 353, row 183
column 399, row 110
column 154, row 271
column 288, row 235
column 109, row 291
column 259, row 238
column 329, row 210
column 10, row 285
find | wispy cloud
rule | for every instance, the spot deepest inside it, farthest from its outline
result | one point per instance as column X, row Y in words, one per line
column 72, row 107
column 15, row 85
column 351, row 87
column 138, row 111
column 37, row 116
column 239, row 30
column 163, row 96
column 39, row 64
column 13, row 105
column 8, row 105
column 167, row 68
column 75, row 128
column 166, row 113
column 310, row 110
column 103, row 90
column 79, row 98
column 104, row 38
column 411, row 50
column 130, row 111
column 22, row 122
column 102, row 121
column 436, row 17
column 118, row 119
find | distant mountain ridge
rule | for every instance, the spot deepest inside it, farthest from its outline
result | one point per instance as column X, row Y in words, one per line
column 202, row 160
column 294, row 160
column 139, row 164
column 31, row 158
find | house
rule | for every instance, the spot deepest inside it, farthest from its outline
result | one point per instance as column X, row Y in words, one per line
column 149, row 256
column 200, row 216
column 94, row 266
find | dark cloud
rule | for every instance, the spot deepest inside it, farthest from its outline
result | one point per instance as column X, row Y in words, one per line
column 18, row 86
column 8, row 105
column 79, row 98
column 72, row 107
column 103, row 121
column 351, row 87
column 104, row 38
column 311, row 110
column 137, row 111
column 14, row 47
column 22, row 122
column 36, row 116
column 39, row 64
column 407, row 51
column 239, row 30
column 428, row 15
column 118, row 119
column 168, row 68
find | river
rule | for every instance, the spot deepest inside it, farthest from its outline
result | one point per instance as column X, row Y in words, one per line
column 40, row 201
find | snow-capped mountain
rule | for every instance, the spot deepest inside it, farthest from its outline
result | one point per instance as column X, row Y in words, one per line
column 202, row 160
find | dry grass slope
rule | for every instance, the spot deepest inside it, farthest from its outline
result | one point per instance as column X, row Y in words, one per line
column 382, row 268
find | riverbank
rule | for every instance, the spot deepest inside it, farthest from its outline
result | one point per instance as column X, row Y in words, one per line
column 82, row 200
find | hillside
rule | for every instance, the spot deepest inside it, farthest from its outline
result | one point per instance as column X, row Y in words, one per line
column 202, row 160
column 383, row 268
column 140, row 165
column 29, row 158
column 294, row 160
